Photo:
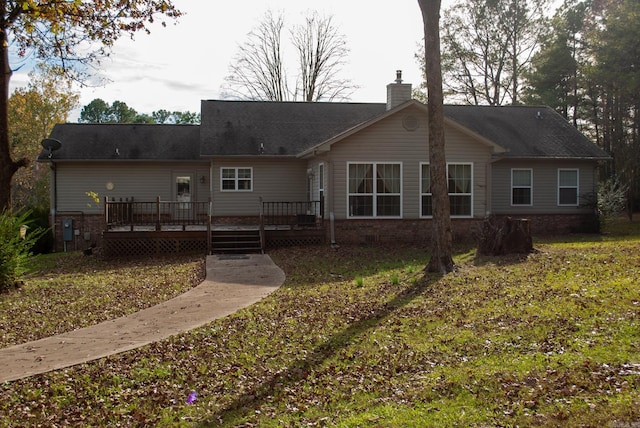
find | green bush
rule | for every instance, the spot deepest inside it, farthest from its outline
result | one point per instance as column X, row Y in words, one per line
column 15, row 250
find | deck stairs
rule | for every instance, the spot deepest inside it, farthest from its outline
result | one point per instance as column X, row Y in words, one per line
column 236, row 241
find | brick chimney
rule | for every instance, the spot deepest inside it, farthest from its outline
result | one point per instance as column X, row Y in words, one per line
column 398, row 92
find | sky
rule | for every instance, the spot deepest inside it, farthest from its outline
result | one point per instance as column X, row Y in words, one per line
column 177, row 66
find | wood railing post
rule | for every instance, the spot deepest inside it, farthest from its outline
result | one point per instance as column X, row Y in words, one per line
column 209, row 227
column 262, row 237
column 158, row 227
column 106, row 212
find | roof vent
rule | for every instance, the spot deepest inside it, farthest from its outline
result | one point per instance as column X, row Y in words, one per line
column 539, row 115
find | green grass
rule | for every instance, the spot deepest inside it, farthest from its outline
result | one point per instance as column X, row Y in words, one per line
column 358, row 336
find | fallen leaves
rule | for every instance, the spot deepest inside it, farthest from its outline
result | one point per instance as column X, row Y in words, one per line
column 79, row 291
column 535, row 341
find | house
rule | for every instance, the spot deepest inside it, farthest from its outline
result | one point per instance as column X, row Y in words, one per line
column 344, row 172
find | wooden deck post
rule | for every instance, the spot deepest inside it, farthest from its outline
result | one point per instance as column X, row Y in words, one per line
column 262, row 237
column 209, row 227
column 158, row 227
column 106, row 212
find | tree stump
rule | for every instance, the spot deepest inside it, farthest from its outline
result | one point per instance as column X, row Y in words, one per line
column 505, row 235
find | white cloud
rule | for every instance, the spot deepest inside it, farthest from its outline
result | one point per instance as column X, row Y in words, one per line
column 177, row 66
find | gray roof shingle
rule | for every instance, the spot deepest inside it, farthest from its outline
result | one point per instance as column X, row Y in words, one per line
column 250, row 128
column 286, row 128
column 132, row 141
column 525, row 133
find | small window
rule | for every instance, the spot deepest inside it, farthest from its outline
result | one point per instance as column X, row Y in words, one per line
column 236, row 179
column 568, row 187
column 374, row 189
column 522, row 187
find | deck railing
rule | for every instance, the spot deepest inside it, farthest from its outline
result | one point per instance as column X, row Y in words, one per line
column 128, row 214
column 306, row 213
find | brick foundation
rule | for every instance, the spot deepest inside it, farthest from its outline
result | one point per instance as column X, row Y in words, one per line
column 84, row 226
column 369, row 231
column 373, row 231
column 562, row 224
column 396, row 231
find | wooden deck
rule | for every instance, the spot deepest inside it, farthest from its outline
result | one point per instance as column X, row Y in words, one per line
column 134, row 228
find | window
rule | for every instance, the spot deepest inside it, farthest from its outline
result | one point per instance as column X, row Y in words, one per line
column 426, row 206
column 459, row 177
column 568, row 187
column 236, row 179
column 183, row 191
column 460, row 185
column 522, row 187
column 374, row 189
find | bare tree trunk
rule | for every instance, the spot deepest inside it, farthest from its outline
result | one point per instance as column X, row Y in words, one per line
column 441, row 253
column 7, row 166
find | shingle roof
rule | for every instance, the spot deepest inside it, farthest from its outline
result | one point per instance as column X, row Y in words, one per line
column 125, row 142
column 286, row 128
column 249, row 128
column 526, row 131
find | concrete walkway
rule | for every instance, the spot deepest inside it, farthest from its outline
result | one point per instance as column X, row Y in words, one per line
column 232, row 282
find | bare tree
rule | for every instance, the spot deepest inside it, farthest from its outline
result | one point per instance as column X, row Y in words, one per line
column 321, row 55
column 442, row 246
column 258, row 71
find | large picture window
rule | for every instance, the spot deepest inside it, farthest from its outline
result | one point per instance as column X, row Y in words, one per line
column 374, row 189
column 522, row 187
column 460, row 185
column 236, row 179
column 568, row 187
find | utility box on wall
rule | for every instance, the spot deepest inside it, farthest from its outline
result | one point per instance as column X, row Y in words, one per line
column 67, row 229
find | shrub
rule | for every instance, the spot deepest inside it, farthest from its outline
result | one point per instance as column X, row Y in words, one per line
column 612, row 198
column 15, row 250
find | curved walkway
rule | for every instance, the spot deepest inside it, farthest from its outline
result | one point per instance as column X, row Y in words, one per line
column 232, row 283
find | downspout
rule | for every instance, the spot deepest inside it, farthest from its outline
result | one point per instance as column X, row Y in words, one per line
column 332, row 224
column 54, row 198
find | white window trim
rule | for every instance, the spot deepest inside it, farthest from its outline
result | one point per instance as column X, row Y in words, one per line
column 577, row 187
column 448, row 193
column 374, row 194
column 530, row 204
column 236, row 179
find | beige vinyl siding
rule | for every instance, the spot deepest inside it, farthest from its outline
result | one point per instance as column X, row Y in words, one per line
column 545, row 186
column 389, row 141
column 275, row 180
column 144, row 181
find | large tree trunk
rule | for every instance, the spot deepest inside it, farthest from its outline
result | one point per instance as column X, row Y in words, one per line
column 7, row 166
column 441, row 250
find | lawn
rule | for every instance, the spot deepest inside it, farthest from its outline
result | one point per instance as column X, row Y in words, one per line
column 358, row 336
